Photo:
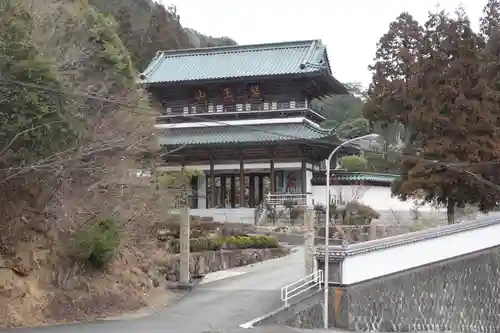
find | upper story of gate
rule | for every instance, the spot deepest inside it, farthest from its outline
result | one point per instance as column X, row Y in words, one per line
column 265, row 81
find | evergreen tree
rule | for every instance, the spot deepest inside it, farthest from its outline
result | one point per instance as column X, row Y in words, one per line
column 126, row 33
column 35, row 123
column 392, row 69
column 388, row 104
column 453, row 125
column 490, row 19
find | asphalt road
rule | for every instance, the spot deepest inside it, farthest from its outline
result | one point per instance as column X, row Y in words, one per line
column 217, row 305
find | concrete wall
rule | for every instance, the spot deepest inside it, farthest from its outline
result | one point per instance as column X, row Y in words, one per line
column 458, row 295
column 392, row 210
column 442, row 279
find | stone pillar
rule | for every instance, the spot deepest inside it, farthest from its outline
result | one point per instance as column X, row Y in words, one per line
column 309, row 240
column 202, row 191
column 372, row 231
column 184, row 276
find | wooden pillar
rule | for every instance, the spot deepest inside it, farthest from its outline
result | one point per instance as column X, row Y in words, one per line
column 233, row 191
column 242, row 184
column 184, row 276
column 261, row 190
column 213, row 199
column 251, row 185
column 309, row 240
column 303, row 177
column 223, row 191
column 273, row 178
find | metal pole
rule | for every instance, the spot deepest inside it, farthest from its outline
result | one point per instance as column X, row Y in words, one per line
column 327, row 223
column 327, row 236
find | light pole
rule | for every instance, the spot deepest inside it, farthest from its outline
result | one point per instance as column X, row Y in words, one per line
column 327, row 219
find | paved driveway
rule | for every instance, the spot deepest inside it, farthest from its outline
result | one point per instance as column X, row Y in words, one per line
column 217, row 305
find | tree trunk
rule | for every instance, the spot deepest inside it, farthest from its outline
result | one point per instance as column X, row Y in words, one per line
column 450, row 211
column 386, row 147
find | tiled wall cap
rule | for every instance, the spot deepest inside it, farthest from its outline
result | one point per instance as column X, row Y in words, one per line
column 337, row 252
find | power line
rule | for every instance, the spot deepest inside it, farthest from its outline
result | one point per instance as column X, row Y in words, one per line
column 198, row 117
column 128, row 105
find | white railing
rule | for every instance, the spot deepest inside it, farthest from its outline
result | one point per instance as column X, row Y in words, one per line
column 261, row 211
column 280, row 198
column 308, row 282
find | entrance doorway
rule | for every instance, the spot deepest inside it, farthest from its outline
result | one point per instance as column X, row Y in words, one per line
column 227, row 190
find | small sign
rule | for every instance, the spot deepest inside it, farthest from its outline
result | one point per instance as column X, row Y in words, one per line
column 254, row 92
column 228, row 95
column 200, row 96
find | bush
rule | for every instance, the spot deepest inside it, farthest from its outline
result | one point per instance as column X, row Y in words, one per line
column 353, row 163
column 357, row 213
column 98, row 243
column 231, row 242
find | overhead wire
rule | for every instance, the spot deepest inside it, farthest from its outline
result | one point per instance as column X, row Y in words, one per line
column 134, row 109
column 153, row 114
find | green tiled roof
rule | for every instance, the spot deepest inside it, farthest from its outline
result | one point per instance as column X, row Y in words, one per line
column 285, row 58
column 375, row 177
column 244, row 134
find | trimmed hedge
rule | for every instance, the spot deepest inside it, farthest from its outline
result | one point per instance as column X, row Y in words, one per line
column 232, row 242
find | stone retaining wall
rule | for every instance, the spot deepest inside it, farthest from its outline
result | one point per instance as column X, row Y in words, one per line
column 457, row 295
column 202, row 263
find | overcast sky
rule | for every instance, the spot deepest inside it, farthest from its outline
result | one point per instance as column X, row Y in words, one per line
column 349, row 28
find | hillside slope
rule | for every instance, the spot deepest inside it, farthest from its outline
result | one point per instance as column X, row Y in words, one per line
column 68, row 198
column 146, row 27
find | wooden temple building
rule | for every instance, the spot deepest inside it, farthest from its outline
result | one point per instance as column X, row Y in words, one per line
column 242, row 116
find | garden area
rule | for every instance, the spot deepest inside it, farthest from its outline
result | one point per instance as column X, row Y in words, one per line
column 216, row 246
column 207, row 235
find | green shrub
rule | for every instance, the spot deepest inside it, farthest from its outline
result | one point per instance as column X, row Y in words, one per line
column 231, row 242
column 98, row 243
column 353, row 163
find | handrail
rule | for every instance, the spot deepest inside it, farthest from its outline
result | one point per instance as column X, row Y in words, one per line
column 281, row 198
column 261, row 210
column 298, row 287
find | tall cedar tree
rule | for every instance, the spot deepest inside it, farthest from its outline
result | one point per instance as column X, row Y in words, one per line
column 490, row 69
column 392, row 69
column 453, row 121
column 387, row 104
column 490, row 19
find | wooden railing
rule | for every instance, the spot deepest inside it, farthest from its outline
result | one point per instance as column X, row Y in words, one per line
column 178, row 110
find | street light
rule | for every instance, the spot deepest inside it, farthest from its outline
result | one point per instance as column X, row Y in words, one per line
column 327, row 218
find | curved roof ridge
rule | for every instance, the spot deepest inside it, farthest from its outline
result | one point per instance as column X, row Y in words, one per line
column 316, row 127
column 239, row 48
